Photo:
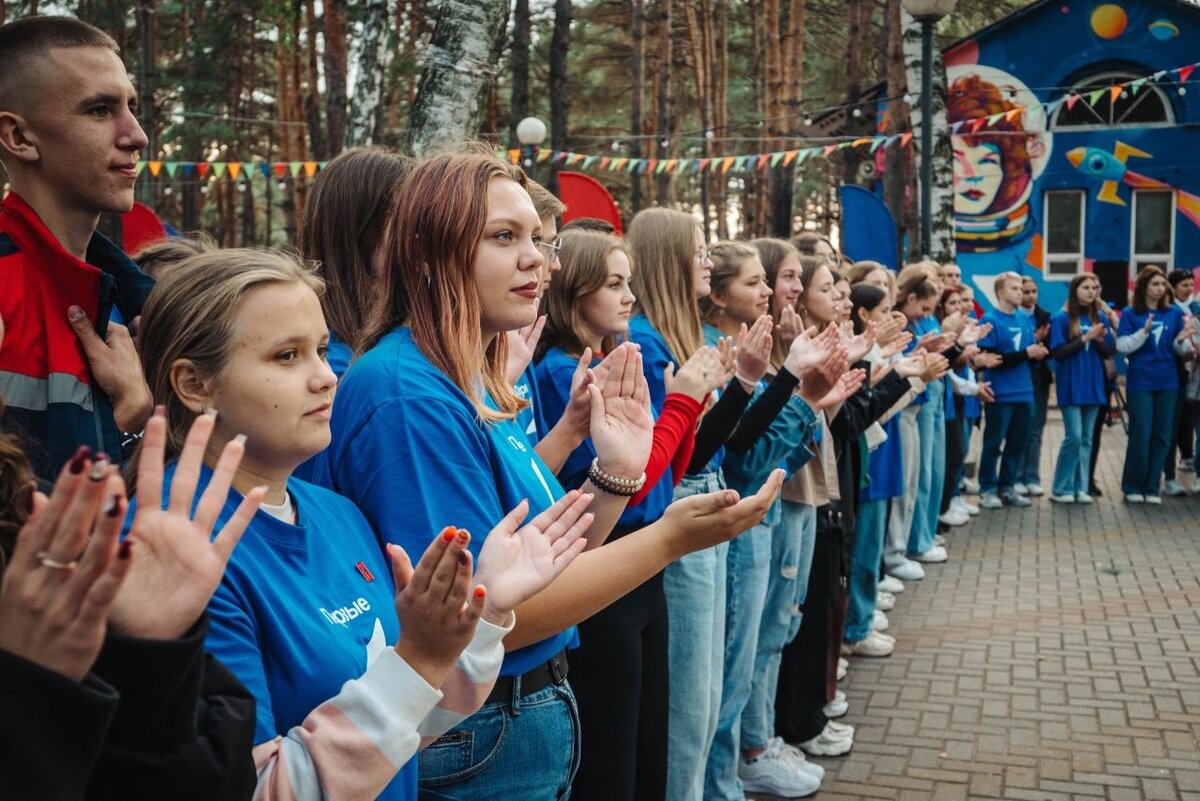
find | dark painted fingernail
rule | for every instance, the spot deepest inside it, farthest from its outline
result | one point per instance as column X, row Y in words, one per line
column 79, row 459
column 114, row 506
column 463, row 559
column 123, row 551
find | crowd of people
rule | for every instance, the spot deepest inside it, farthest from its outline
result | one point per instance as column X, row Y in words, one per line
column 457, row 504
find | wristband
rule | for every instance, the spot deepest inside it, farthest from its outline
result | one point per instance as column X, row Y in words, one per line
column 614, row 485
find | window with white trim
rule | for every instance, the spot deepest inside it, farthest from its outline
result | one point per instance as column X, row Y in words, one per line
column 1063, row 255
column 1146, row 107
column 1153, row 239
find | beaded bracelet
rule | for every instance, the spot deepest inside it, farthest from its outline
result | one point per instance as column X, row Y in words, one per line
column 614, row 485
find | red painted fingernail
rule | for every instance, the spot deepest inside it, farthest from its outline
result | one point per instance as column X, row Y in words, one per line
column 448, row 535
column 80, row 457
column 115, row 506
column 463, row 537
column 480, row 592
column 123, row 551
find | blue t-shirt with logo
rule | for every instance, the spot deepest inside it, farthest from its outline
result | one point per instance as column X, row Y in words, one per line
column 885, row 466
column 655, row 358
column 1152, row 367
column 1079, row 378
column 530, row 419
column 411, row 451
column 1011, row 333
column 302, row 609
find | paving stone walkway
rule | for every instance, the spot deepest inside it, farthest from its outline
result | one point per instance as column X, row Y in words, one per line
column 1055, row 656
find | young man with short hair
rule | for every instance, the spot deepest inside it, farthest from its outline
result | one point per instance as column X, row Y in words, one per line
column 1031, row 481
column 1007, row 420
column 69, row 143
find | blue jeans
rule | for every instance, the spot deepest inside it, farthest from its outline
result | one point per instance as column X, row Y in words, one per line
column 787, row 583
column 1151, row 415
column 1007, row 425
column 931, row 425
column 695, row 590
column 748, row 563
column 525, row 748
column 1031, row 468
column 864, row 569
column 1074, row 457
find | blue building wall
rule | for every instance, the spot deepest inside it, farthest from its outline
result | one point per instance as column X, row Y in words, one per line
column 1025, row 61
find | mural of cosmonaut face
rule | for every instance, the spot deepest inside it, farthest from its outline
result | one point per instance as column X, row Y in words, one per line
column 978, row 176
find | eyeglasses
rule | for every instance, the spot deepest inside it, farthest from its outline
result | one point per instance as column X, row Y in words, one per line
column 702, row 254
column 550, row 250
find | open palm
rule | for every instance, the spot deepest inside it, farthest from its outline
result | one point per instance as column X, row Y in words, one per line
column 622, row 426
column 179, row 564
column 517, row 561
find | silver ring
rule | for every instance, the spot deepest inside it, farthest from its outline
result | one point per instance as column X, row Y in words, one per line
column 47, row 561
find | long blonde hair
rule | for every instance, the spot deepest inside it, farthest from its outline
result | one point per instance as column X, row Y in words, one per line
column 191, row 315
column 663, row 242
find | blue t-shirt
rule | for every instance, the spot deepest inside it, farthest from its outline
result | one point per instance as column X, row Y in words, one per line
column 1011, row 333
column 712, row 335
column 920, row 328
column 339, row 355
column 410, row 450
column 971, row 405
column 530, row 419
column 1152, row 367
column 1079, row 378
column 885, row 466
column 554, row 374
column 302, row 608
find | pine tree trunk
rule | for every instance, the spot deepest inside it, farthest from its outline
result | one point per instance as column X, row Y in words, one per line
column 663, row 128
column 519, row 68
column 372, row 67
column 335, row 74
column 312, row 100
column 560, row 44
column 638, row 65
column 720, row 112
column 898, row 185
column 941, row 246
column 858, row 50
column 457, row 74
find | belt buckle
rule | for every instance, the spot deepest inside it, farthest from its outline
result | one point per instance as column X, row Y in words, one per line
column 556, row 671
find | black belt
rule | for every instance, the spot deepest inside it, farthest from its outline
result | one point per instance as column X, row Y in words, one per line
column 553, row 671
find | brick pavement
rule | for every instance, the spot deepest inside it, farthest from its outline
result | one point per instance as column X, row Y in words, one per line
column 1055, row 656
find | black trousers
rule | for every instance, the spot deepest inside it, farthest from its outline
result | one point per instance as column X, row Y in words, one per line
column 1096, row 432
column 804, row 669
column 956, row 452
column 620, row 674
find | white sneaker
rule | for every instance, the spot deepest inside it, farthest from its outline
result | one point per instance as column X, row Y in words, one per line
column 954, row 517
column 970, row 486
column 890, row 583
column 1014, row 498
column 771, row 773
column 1062, row 498
column 962, row 506
column 795, row 757
column 1034, row 490
column 1020, row 488
column 873, row 645
column 1196, row 486
column 908, row 570
column 836, row 708
column 885, row 601
column 940, row 541
column 1135, row 497
column 935, row 555
column 825, row 744
column 841, row 730
column 843, row 668
column 1154, row 500
column 879, row 621
column 1173, row 489
column 1083, row 497
column 990, row 500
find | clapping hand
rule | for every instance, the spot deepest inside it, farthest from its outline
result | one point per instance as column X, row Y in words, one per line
column 936, row 366
column 522, row 344
column 857, row 347
column 701, row 374
column 846, row 385
column 811, row 349
column 754, row 351
column 897, row 344
column 986, row 360
column 702, row 521
column 1094, row 332
column 178, row 562
column 622, row 426
column 889, row 330
column 985, row 393
column 788, row 326
column 912, row 366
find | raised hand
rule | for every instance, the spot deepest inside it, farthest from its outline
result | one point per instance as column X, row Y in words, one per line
column 857, row 347
column 66, row 570
column 1149, row 322
column 1037, row 351
column 702, row 521
column 701, row 374
column 820, row 381
column 986, row 360
column 897, row 345
column 889, row 330
column 936, row 366
column 437, row 610
column 517, row 561
column 521, row 346
column 754, row 351
column 115, row 365
column 955, row 322
column 912, row 366
column 179, row 563
column 810, row 349
column 845, row 386
column 1094, row 332
column 788, row 326
column 622, row 426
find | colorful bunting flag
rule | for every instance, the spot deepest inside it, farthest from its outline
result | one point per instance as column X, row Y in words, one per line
column 235, row 169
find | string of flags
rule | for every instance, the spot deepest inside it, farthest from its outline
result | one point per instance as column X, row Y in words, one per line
column 681, row 166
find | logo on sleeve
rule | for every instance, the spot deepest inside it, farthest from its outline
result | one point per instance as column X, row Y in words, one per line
column 344, row 614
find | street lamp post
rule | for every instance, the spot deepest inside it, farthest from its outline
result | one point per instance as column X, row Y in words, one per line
column 927, row 12
column 531, row 132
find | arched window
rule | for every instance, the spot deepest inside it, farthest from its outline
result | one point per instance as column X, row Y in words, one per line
column 1148, row 107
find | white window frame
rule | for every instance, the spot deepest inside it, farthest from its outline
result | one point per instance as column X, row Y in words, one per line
column 1164, row 260
column 1047, row 256
column 1116, row 76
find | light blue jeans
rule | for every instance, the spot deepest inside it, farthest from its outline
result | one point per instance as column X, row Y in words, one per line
column 931, row 424
column 864, row 570
column 787, row 585
column 748, row 564
column 1074, row 457
column 525, row 748
column 695, row 590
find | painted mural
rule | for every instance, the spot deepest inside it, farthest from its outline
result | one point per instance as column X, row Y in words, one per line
column 1002, row 171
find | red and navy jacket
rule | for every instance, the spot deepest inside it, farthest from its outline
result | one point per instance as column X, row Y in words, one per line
column 51, row 401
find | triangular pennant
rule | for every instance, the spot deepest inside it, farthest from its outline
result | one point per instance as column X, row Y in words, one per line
column 727, row 163
column 589, row 161
column 189, row 167
column 1071, row 101
column 671, row 164
column 955, row 127
column 294, row 168
column 1094, row 97
column 866, row 140
column 322, row 165
column 776, row 158
column 802, row 155
column 280, row 168
column 891, row 139
column 202, row 168
column 604, row 162
column 235, row 169
column 995, row 118
column 574, row 159
column 543, row 155
column 661, row 166
column 844, row 145
column 1158, row 76
column 829, row 149
column 879, row 140
column 1013, row 114
column 514, row 155
column 1115, row 92
column 137, row 168
column 905, row 139
column 218, row 168
column 171, row 167
column 1186, row 72
column 761, row 161
column 636, row 166
column 703, row 163
column 976, row 124
column 155, row 168
column 265, row 169
column 559, row 157
column 789, row 157
column 617, row 164
column 310, row 168
column 1136, row 85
